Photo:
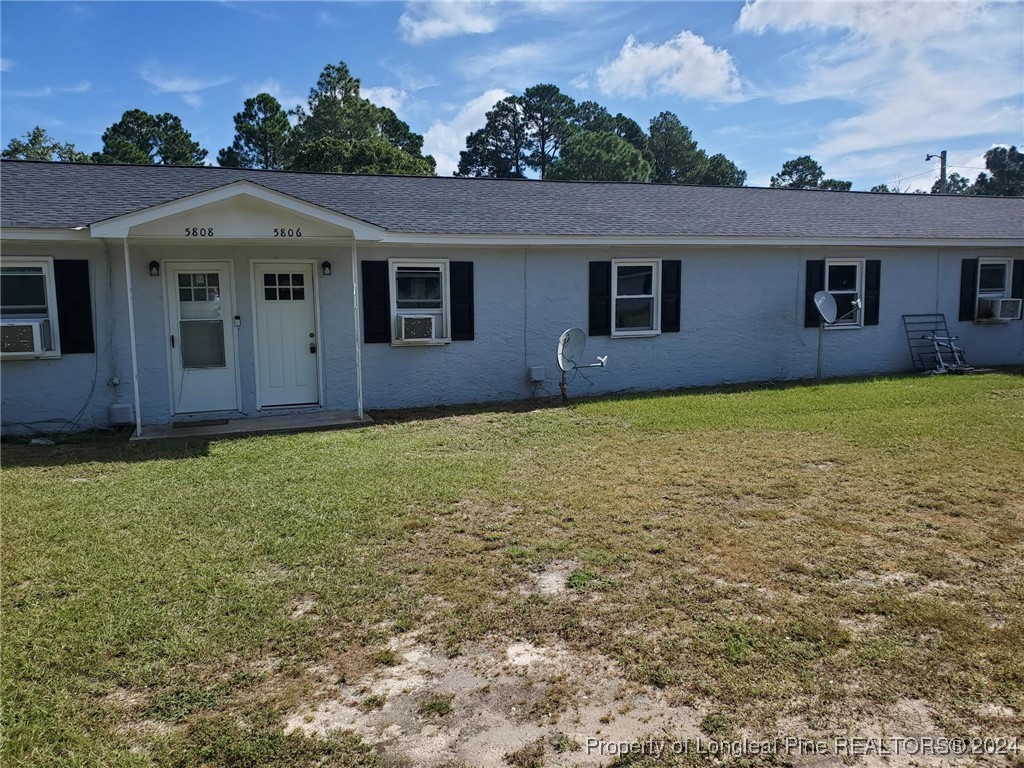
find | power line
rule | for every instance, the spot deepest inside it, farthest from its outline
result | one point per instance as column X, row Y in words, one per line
column 926, row 173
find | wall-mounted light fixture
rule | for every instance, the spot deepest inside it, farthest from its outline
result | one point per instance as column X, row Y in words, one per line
column 154, row 269
column 325, row 268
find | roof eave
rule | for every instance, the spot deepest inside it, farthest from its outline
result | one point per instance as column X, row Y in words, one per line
column 383, row 237
column 432, row 238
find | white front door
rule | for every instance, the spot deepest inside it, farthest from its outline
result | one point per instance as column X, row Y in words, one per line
column 286, row 341
column 202, row 337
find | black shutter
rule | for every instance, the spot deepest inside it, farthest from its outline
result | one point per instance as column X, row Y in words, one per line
column 376, row 303
column 872, row 288
column 74, row 306
column 600, row 298
column 968, row 288
column 460, row 274
column 815, row 282
column 1017, row 281
column 670, row 295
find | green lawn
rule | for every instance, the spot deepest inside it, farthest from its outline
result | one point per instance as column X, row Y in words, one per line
column 813, row 554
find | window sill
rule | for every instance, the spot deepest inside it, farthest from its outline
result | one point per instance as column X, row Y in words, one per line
column 30, row 356
column 420, row 343
column 843, row 327
column 994, row 321
column 634, row 334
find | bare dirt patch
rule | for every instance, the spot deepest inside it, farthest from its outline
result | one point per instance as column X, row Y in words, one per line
column 302, row 606
column 553, row 578
column 900, row 728
column 126, row 699
column 863, row 624
column 502, row 698
column 820, row 466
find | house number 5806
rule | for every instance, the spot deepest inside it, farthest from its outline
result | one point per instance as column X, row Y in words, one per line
column 287, row 233
column 198, row 231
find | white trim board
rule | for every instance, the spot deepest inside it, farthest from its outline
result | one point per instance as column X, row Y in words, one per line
column 383, row 237
column 409, row 238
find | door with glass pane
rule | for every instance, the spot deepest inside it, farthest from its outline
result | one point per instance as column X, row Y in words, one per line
column 202, row 338
column 286, row 342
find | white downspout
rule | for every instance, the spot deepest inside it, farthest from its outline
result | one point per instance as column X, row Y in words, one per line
column 131, row 334
column 358, row 333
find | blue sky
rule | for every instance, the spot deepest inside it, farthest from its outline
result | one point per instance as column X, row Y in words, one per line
column 867, row 88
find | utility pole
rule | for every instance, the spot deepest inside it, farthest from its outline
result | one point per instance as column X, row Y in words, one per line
column 942, row 169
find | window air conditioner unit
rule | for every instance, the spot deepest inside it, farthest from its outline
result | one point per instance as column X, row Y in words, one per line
column 416, row 327
column 24, row 338
column 1009, row 309
column 999, row 309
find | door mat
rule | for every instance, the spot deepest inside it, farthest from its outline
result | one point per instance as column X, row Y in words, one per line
column 207, row 423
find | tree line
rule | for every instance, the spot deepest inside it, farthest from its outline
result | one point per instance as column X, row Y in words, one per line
column 541, row 132
column 546, row 131
column 1003, row 176
column 337, row 131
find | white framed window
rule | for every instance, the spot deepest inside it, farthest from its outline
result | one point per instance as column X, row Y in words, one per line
column 993, row 302
column 636, row 292
column 844, row 279
column 420, row 303
column 28, row 309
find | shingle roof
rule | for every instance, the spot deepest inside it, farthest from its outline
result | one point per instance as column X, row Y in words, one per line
column 64, row 195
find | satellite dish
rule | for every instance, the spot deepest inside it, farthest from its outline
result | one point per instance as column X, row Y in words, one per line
column 570, row 349
column 570, row 354
column 826, row 304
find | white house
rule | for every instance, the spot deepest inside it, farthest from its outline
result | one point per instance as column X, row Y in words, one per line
column 155, row 295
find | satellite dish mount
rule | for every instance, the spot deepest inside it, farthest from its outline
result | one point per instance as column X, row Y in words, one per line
column 825, row 303
column 571, row 345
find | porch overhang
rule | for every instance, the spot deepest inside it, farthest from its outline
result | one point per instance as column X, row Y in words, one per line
column 188, row 210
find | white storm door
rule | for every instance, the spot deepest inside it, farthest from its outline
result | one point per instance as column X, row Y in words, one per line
column 286, row 335
column 202, row 338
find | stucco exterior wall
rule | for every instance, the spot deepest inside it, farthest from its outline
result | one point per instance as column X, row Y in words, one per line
column 741, row 320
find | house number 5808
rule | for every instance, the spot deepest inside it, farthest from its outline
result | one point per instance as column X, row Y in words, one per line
column 198, row 231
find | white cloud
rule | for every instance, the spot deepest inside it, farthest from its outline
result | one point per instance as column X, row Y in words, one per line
column 913, row 74
column 513, row 67
column 167, row 82
column 327, row 19
column 385, row 96
column 6, row 65
column 188, row 87
column 256, row 9
column 275, row 89
column 895, row 22
column 445, row 139
column 437, row 19
column 425, row 20
column 923, row 106
column 409, row 77
column 580, row 82
column 684, row 66
column 82, row 86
